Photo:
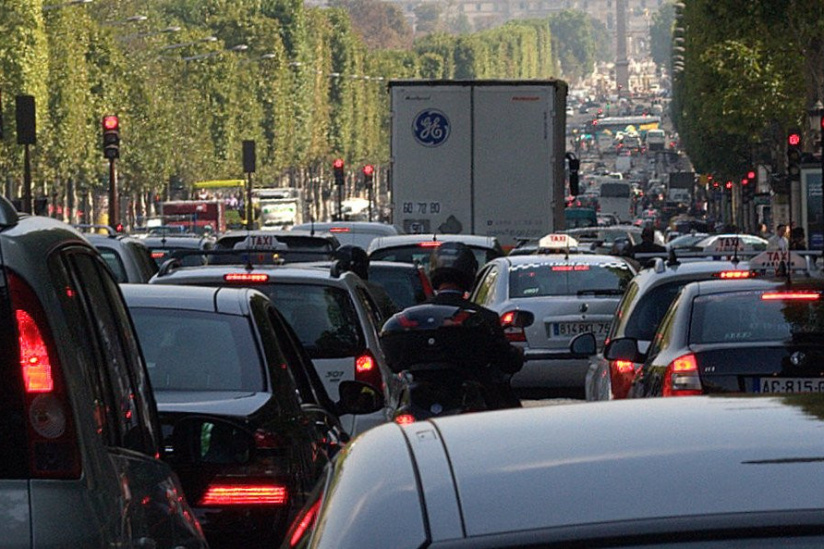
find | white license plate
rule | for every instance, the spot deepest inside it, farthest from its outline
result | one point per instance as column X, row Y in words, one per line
column 769, row 385
column 571, row 329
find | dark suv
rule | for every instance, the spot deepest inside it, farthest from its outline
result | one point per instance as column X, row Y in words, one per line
column 81, row 439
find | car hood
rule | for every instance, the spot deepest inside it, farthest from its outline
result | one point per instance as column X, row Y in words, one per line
column 220, row 403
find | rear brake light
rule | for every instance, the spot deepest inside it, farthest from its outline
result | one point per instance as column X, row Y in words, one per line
column 791, row 296
column 244, row 494
column 624, row 366
column 570, row 268
column 735, row 274
column 339, row 230
column 681, row 377
column 366, row 370
column 246, row 278
column 404, row 419
column 158, row 255
column 34, row 358
column 304, row 523
column 53, row 448
column 430, row 244
column 514, row 322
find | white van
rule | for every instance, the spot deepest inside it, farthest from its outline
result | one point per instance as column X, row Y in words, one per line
column 656, row 140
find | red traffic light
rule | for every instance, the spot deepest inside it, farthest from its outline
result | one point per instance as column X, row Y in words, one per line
column 794, row 139
column 728, row 185
column 338, row 164
column 745, row 181
column 368, row 170
column 111, row 123
column 751, row 175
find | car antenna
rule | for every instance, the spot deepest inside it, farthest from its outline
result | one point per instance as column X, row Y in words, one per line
column 673, row 258
column 311, row 225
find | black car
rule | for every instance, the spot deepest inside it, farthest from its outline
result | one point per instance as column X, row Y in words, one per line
column 733, row 336
column 163, row 244
column 228, row 353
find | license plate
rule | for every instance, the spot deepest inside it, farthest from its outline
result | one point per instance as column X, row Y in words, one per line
column 571, row 329
column 769, row 385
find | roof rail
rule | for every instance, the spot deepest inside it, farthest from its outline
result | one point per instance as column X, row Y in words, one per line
column 168, row 266
column 92, row 227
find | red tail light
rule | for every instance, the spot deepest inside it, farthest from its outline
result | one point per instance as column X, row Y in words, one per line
column 430, row 244
column 304, row 523
column 624, row 366
column 791, row 296
column 404, row 419
column 53, row 449
column 681, row 377
column 367, row 370
column 158, row 255
column 339, row 230
column 735, row 274
column 246, row 278
column 244, row 494
column 514, row 322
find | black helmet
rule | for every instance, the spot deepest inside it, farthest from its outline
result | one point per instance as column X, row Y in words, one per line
column 431, row 334
column 353, row 258
column 453, row 262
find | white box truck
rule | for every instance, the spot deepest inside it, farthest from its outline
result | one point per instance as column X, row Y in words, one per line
column 478, row 157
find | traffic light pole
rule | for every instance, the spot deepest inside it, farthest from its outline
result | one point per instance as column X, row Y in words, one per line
column 114, row 207
column 27, row 198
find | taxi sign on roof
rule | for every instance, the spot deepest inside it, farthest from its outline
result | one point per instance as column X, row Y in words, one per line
column 557, row 241
column 770, row 261
column 259, row 242
column 726, row 244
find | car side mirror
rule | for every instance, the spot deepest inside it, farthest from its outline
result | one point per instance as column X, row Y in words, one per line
column 211, row 440
column 359, row 398
column 623, row 348
column 583, row 345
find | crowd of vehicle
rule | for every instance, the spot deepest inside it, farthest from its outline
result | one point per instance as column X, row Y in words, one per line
column 185, row 390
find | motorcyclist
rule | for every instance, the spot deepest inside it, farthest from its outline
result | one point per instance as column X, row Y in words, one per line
column 452, row 269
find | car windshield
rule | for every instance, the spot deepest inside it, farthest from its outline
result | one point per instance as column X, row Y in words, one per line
column 568, row 278
column 757, row 316
column 324, row 318
column 197, row 351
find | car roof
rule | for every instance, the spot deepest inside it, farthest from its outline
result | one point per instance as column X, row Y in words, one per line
column 370, row 227
column 476, row 241
column 715, row 287
column 194, row 298
column 515, row 260
column 578, row 465
column 210, row 273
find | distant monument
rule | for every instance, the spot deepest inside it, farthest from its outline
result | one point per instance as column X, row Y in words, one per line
column 621, row 61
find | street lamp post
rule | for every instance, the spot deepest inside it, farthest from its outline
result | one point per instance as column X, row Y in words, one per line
column 816, row 114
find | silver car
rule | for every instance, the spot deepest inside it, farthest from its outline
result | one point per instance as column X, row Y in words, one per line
column 81, row 438
column 546, row 300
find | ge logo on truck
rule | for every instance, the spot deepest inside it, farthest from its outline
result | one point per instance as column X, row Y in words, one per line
column 431, row 128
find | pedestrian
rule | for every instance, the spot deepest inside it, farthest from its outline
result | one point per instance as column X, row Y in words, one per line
column 779, row 240
column 798, row 241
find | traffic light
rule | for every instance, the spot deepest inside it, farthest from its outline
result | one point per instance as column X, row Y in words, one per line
column 337, row 166
column 368, row 174
column 794, row 155
column 728, row 189
column 111, row 137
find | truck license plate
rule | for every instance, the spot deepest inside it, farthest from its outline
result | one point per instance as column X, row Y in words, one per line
column 570, row 329
column 769, row 385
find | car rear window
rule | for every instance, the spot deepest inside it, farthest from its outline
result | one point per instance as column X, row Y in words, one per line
column 115, row 263
column 561, row 277
column 324, row 318
column 650, row 309
column 197, row 351
column 404, row 286
column 420, row 253
column 745, row 316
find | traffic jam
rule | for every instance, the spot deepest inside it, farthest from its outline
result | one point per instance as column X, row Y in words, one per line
column 554, row 308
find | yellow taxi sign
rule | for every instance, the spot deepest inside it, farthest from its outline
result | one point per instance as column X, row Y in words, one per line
column 557, row 241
